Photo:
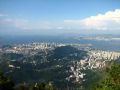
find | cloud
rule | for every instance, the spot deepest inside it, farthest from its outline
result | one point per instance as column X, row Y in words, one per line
column 18, row 23
column 108, row 21
column 26, row 24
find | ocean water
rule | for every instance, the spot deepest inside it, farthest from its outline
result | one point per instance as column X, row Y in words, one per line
column 102, row 45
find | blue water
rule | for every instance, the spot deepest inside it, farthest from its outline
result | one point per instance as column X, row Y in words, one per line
column 103, row 45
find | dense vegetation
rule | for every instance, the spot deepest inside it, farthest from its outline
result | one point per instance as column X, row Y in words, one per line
column 46, row 67
column 111, row 82
column 7, row 84
column 33, row 72
column 112, row 79
column 69, row 52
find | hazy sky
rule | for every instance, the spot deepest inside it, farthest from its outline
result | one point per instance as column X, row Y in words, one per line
column 31, row 17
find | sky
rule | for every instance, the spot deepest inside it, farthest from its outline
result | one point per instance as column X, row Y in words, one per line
column 51, row 17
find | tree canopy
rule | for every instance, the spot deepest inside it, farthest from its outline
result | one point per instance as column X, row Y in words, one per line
column 112, row 80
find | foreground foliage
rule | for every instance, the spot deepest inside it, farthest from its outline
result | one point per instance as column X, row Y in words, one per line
column 7, row 84
column 112, row 80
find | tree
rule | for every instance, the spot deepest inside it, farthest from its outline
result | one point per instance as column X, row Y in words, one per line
column 42, row 86
column 5, row 83
column 112, row 80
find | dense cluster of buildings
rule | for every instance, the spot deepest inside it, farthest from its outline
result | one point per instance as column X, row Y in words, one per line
column 31, row 48
column 96, row 60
